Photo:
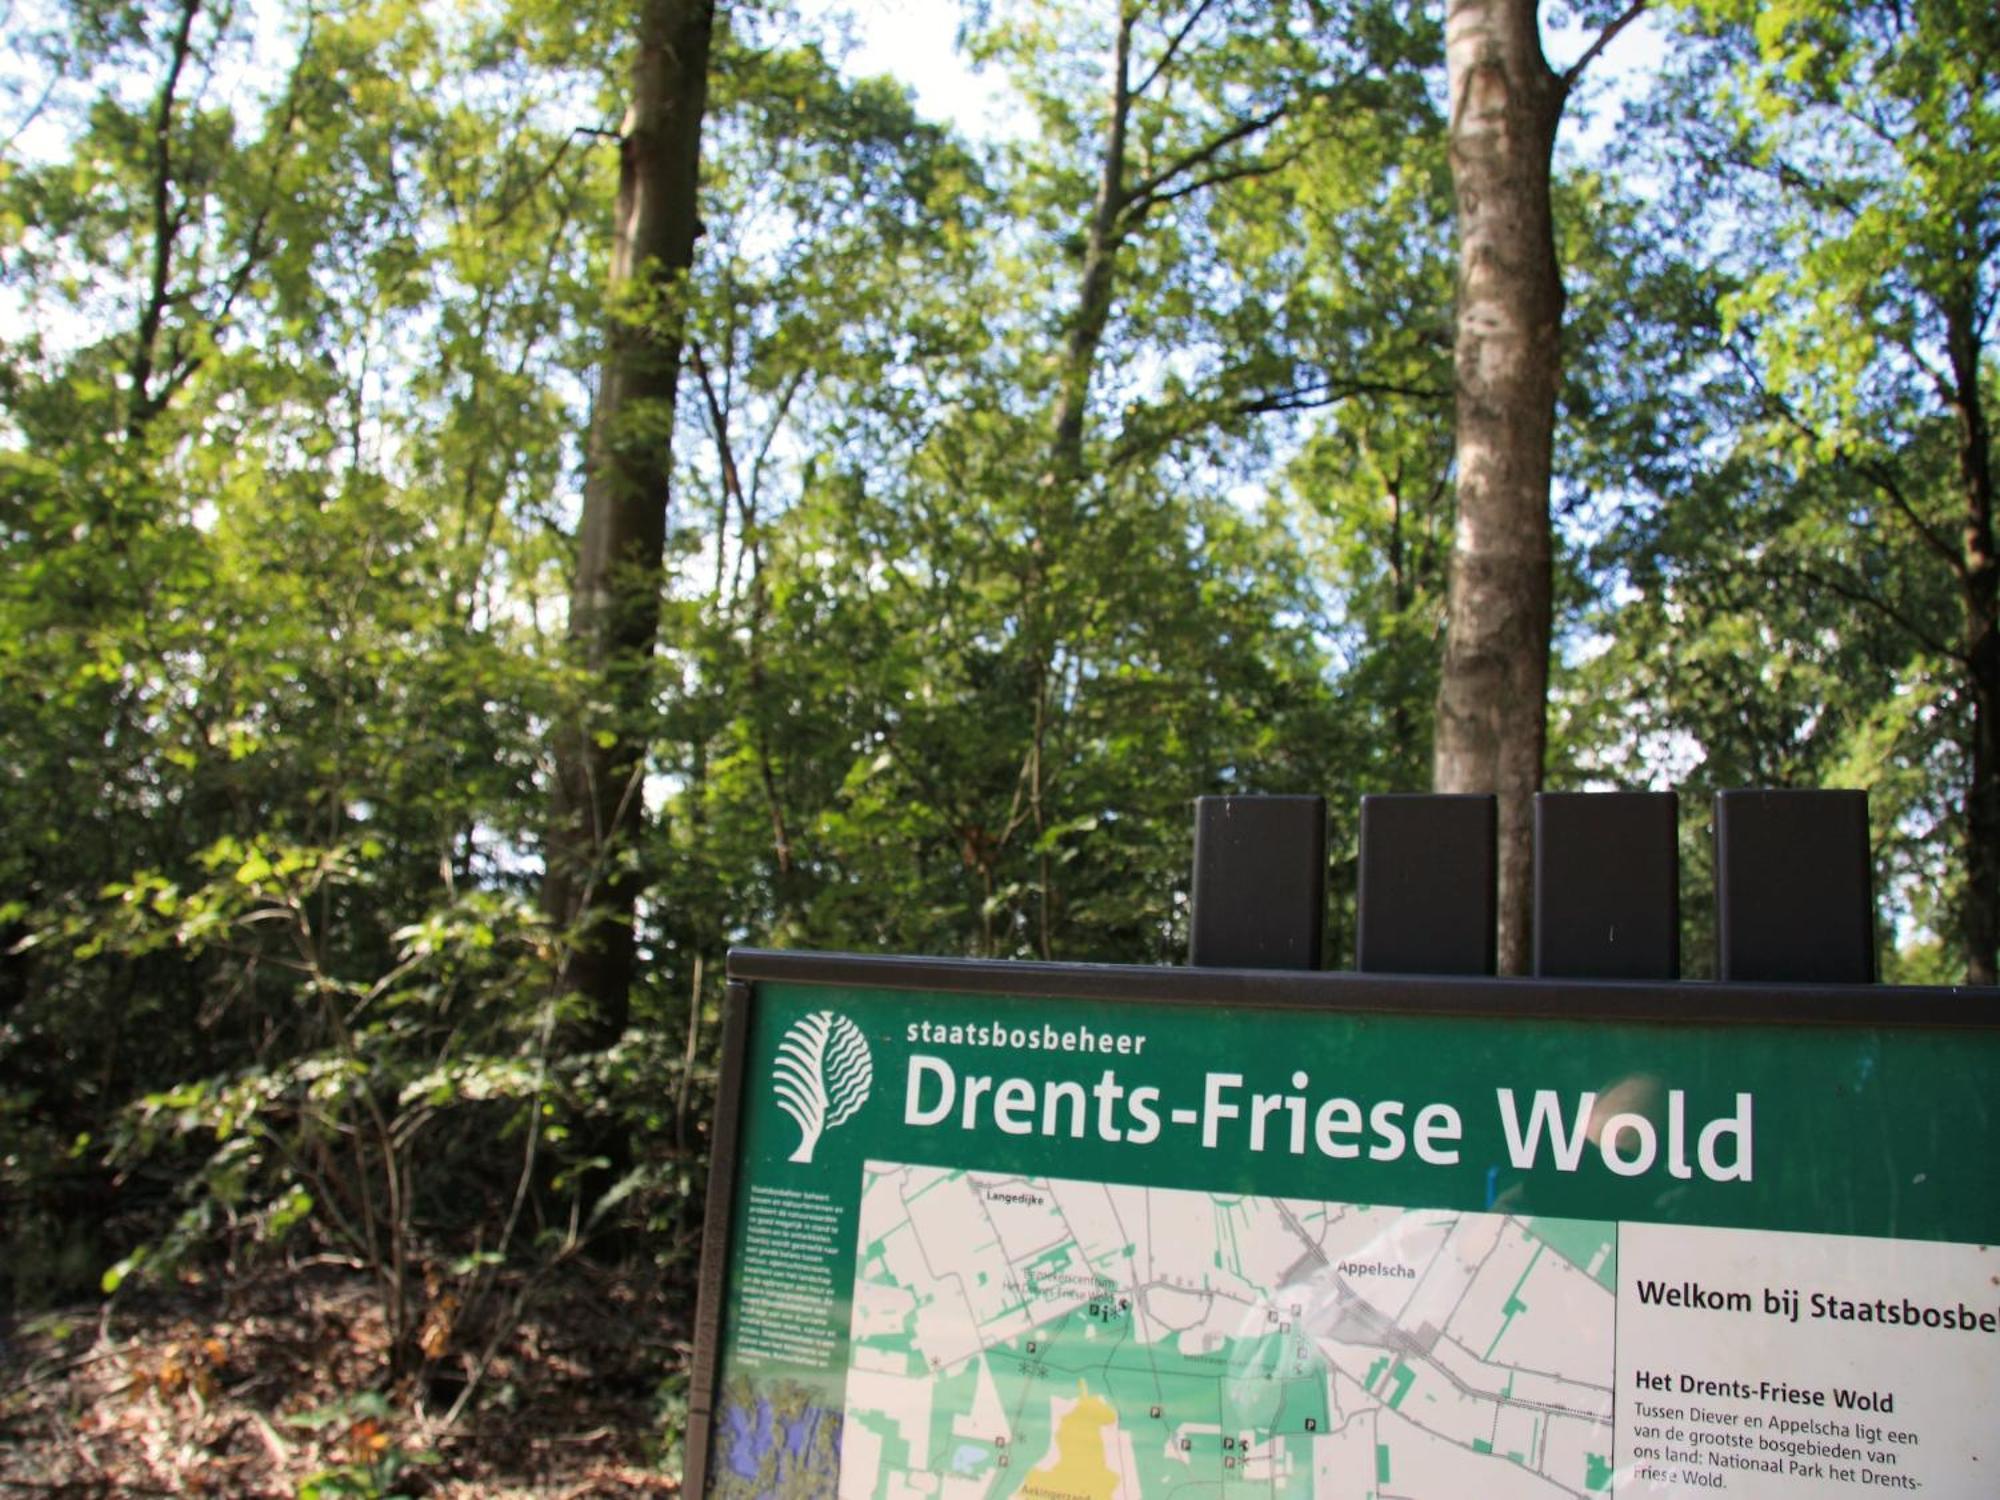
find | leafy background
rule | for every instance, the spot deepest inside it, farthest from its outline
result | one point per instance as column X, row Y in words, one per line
column 299, row 313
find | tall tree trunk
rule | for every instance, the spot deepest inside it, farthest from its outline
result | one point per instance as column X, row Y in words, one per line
column 615, row 595
column 1122, row 201
column 1979, row 581
column 1981, row 916
column 1055, row 509
column 168, row 221
column 1097, row 289
column 1506, row 103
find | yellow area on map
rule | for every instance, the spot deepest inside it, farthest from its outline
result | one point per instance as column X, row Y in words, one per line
column 1078, row 1470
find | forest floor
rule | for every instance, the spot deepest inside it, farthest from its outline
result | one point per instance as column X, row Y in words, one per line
column 263, row 1388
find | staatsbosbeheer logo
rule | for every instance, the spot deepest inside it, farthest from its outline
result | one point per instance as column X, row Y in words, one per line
column 822, row 1076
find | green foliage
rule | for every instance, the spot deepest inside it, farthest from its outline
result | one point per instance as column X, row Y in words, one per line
column 271, row 745
column 376, row 1463
column 1788, row 593
column 999, row 531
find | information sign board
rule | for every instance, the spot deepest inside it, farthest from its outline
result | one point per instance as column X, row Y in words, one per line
column 1055, row 1232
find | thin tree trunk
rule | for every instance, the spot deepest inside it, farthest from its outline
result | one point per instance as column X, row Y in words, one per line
column 615, row 596
column 1055, row 510
column 1401, row 589
column 1981, row 918
column 1095, row 295
column 167, row 223
column 1118, row 208
column 1980, row 586
column 1506, row 103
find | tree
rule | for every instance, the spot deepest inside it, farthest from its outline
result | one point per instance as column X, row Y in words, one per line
column 1506, row 105
column 1879, row 126
column 822, row 334
column 592, row 879
column 1818, row 558
column 258, row 726
column 1168, row 347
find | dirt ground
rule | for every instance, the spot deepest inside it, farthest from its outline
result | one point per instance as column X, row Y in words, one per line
column 270, row 1388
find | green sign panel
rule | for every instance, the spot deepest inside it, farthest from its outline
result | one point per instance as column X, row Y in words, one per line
column 1306, row 1240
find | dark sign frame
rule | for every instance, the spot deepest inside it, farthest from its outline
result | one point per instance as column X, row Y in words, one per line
column 1334, row 994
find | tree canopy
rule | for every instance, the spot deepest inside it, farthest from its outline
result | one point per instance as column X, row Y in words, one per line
column 442, row 609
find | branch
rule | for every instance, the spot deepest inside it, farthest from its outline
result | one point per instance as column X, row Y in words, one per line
column 1888, row 611
column 35, row 110
column 1261, row 167
column 167, row 221
column 1143, row 196
column 1878, row 474
column 1604, row 39
column 1947, row 391
column 732, row 484
column 1331, row 392
column 1173, row 47
column 1875, row 472
column 182, row 367
column 952, row 816
column 1818, row 191
column 718, row 422
column 1299, row 398
column 505, row 211
column 786, row 395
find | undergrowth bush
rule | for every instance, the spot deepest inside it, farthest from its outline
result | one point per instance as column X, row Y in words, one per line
column 412, row 1116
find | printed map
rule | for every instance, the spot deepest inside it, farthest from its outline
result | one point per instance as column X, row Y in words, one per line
column 1060, row 1340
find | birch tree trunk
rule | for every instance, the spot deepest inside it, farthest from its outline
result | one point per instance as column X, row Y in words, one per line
column 592, row 878
column 1506, row 103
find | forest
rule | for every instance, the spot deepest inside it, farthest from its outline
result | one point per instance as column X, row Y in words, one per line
column 502, row 502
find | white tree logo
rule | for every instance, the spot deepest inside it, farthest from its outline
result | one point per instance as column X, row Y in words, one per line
column 822, row 1076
